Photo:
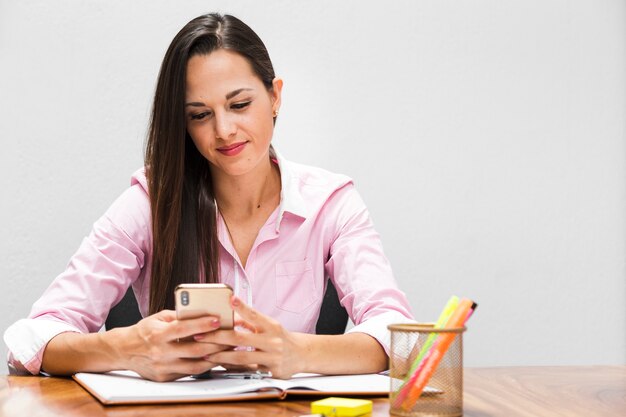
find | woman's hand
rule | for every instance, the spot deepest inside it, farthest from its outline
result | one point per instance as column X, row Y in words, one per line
column 275, row 349
column 151, row 348
column 162, row 348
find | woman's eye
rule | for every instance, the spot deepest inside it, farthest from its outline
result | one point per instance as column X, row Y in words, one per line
column 239, row 106
column 200, row 116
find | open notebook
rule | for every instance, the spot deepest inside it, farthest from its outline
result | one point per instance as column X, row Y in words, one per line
column 125, row 387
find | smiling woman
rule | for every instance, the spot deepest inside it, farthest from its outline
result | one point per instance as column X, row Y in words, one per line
column 216, row 202
column 229, row 112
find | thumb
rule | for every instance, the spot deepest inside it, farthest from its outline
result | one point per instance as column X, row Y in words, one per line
column 166, row 315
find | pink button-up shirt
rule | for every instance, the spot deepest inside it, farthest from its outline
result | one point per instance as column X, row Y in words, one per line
column 320, row 230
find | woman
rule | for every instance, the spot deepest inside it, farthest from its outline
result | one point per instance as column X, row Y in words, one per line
column 216, row 203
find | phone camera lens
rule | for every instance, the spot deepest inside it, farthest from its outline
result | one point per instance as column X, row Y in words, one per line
column 184, row 298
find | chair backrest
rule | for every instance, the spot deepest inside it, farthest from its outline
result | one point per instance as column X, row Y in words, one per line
column 332, row 320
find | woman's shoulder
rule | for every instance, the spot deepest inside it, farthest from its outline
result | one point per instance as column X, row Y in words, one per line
column 130, row 212
column 313, row 176
column 309, row 189
column 139, row 179
column 135, row 196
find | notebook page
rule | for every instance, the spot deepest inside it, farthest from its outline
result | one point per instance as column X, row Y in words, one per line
column 366, row 384
column 126, row 385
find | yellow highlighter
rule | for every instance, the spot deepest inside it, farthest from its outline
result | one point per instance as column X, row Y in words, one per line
column 338, row 407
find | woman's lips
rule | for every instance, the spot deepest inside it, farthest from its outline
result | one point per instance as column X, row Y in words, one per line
column 233, row 149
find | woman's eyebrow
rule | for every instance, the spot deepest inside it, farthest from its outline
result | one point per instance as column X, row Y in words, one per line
column 235, row 92
column 228, row 97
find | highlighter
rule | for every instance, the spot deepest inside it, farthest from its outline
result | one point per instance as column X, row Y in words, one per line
column 435, row 354
column 451, row 305
column 413, row 372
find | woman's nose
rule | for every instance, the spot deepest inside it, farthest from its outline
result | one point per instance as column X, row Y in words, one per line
column 224, row 126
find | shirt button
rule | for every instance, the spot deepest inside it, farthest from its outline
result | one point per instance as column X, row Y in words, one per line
column 245, row 285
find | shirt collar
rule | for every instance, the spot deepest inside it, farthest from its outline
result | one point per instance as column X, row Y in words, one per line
column 291, row 200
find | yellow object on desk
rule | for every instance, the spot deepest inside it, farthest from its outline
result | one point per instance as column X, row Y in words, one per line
column 338, row 407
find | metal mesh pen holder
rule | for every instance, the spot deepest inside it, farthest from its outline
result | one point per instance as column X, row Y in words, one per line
column 443, row 392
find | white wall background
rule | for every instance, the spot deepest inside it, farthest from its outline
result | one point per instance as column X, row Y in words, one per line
column 487, row 137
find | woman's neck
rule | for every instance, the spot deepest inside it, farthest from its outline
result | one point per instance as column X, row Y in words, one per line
column 245, row 195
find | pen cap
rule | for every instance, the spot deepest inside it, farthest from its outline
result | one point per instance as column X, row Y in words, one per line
column 426, row 370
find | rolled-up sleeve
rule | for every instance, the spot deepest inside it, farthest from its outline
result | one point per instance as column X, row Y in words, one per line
column 360, row 270
column 97, row 276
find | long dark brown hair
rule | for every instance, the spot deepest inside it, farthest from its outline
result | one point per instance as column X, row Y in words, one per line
column 185, row 243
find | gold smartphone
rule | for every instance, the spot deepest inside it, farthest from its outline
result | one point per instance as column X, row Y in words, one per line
column 197, row 300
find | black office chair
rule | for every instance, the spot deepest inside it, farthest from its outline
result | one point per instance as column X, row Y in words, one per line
column 332, row 320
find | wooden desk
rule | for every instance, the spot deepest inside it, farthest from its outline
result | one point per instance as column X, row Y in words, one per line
column 511, row 391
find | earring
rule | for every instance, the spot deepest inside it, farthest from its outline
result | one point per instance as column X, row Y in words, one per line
column 275, row 113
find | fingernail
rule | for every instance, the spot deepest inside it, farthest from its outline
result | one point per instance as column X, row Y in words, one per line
column 236, row 302
column 215, row 323
column 198, row 337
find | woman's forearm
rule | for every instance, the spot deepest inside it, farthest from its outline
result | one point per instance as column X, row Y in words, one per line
column 350, row 353
column 157, row 348
column 68, row 353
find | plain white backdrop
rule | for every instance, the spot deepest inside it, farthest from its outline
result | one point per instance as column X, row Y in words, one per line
column 488, row 139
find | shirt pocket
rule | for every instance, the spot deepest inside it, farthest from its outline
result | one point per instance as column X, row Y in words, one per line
column 296, row 289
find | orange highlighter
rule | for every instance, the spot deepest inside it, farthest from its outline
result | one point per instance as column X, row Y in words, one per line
column 438, row 349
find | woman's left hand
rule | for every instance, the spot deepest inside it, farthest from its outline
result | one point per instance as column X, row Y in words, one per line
column 275, row 349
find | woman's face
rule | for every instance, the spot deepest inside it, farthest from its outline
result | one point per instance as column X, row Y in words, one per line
column 229, row 112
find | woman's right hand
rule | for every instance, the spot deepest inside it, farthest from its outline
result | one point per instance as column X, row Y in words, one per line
column 162, row 348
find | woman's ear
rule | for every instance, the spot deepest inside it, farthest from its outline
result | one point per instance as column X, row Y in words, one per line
column 275, row 94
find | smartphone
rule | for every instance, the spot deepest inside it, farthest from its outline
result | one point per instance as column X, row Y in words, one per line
column 197, row 300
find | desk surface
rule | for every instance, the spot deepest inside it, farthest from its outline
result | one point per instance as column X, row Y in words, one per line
column 507, row 391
